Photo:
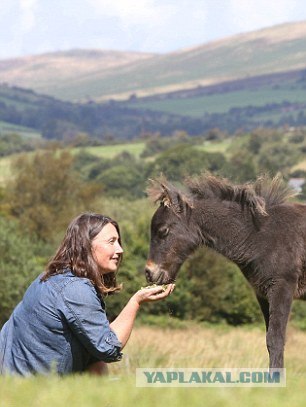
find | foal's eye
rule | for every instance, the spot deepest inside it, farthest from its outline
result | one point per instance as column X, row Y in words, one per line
column 163, row 232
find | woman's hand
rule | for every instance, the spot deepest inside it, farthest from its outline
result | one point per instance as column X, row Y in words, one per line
column 153, row 294
column 123, row 324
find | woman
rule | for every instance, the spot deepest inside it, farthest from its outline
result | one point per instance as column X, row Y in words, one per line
column 61, row 324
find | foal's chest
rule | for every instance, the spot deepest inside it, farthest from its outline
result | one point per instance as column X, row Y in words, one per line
column 300, row 291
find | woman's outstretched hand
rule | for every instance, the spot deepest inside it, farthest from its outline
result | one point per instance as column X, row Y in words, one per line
column 123, row 324
column 154, row 293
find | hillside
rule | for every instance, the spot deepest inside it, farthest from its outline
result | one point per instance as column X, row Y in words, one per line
column 43, row 72
column 271, row 98
column 57, row 119
column 271, row 50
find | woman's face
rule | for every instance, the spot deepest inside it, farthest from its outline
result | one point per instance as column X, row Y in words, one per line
column 106, row 249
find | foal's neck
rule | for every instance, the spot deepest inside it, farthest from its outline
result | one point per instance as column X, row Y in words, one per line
column 225, row 227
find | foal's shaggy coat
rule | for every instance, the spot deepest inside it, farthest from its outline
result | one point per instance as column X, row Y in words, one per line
column 254, row 225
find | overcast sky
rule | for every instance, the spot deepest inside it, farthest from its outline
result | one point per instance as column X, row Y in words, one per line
column 36, row 26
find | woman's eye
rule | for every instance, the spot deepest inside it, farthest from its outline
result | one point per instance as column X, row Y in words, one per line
column 163, row 232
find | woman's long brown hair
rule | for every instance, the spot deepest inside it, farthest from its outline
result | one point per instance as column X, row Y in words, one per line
column 75, row 252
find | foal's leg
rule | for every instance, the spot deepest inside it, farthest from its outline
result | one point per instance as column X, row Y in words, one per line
column 280, row 299
column 264, row 306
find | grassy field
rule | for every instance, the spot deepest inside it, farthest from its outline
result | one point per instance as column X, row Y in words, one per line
column 5, row 170
column 195, row 347
column 222, row 103
column 112, row 150
column 216, row 146
column 137, row 148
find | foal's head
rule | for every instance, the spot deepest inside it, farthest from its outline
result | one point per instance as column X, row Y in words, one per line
column 173, row 236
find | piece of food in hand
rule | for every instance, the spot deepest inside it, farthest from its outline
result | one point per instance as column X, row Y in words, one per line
column 164, row 286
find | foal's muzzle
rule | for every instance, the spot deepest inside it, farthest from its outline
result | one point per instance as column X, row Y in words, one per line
column 148, row 274
column 155, row 274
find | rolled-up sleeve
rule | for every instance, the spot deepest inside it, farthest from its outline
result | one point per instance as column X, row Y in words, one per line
column 87, row 320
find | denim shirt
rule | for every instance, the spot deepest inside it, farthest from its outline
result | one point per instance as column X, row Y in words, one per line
column 59, row 326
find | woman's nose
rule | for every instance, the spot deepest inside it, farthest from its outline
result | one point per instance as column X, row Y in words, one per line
column 119, row 249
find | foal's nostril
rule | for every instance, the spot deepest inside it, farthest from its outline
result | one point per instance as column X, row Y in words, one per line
column 148, row 274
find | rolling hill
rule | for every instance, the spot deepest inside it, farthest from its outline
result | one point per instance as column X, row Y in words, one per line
column 91, row 75
column 43, row 72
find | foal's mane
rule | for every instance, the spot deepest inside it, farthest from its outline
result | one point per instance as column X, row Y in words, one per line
column 258, row 196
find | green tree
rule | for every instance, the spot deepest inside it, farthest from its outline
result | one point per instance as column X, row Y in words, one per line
column 277, row 156
column 240, row 167
column 255, row 143
column 184, row 160
column 19, row 265
column 126, row 178
column 46, row 193
column 14, row 143
column 219, row 291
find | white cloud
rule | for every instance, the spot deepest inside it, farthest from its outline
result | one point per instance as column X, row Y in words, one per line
column 5, row 6
column 27, row 14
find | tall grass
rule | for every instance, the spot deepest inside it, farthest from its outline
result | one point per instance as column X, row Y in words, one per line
column 193, row 346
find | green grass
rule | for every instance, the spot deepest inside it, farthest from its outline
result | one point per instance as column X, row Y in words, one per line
column 216, row 146
column 86, row 391
column 222, row 103
column 194, row 346
column 5, row 170
column 137, row 148
column 112, row 150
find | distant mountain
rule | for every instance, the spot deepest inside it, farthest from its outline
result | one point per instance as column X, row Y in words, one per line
column 97, row 75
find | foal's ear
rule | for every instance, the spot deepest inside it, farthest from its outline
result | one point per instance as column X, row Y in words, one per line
column 165, row 193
